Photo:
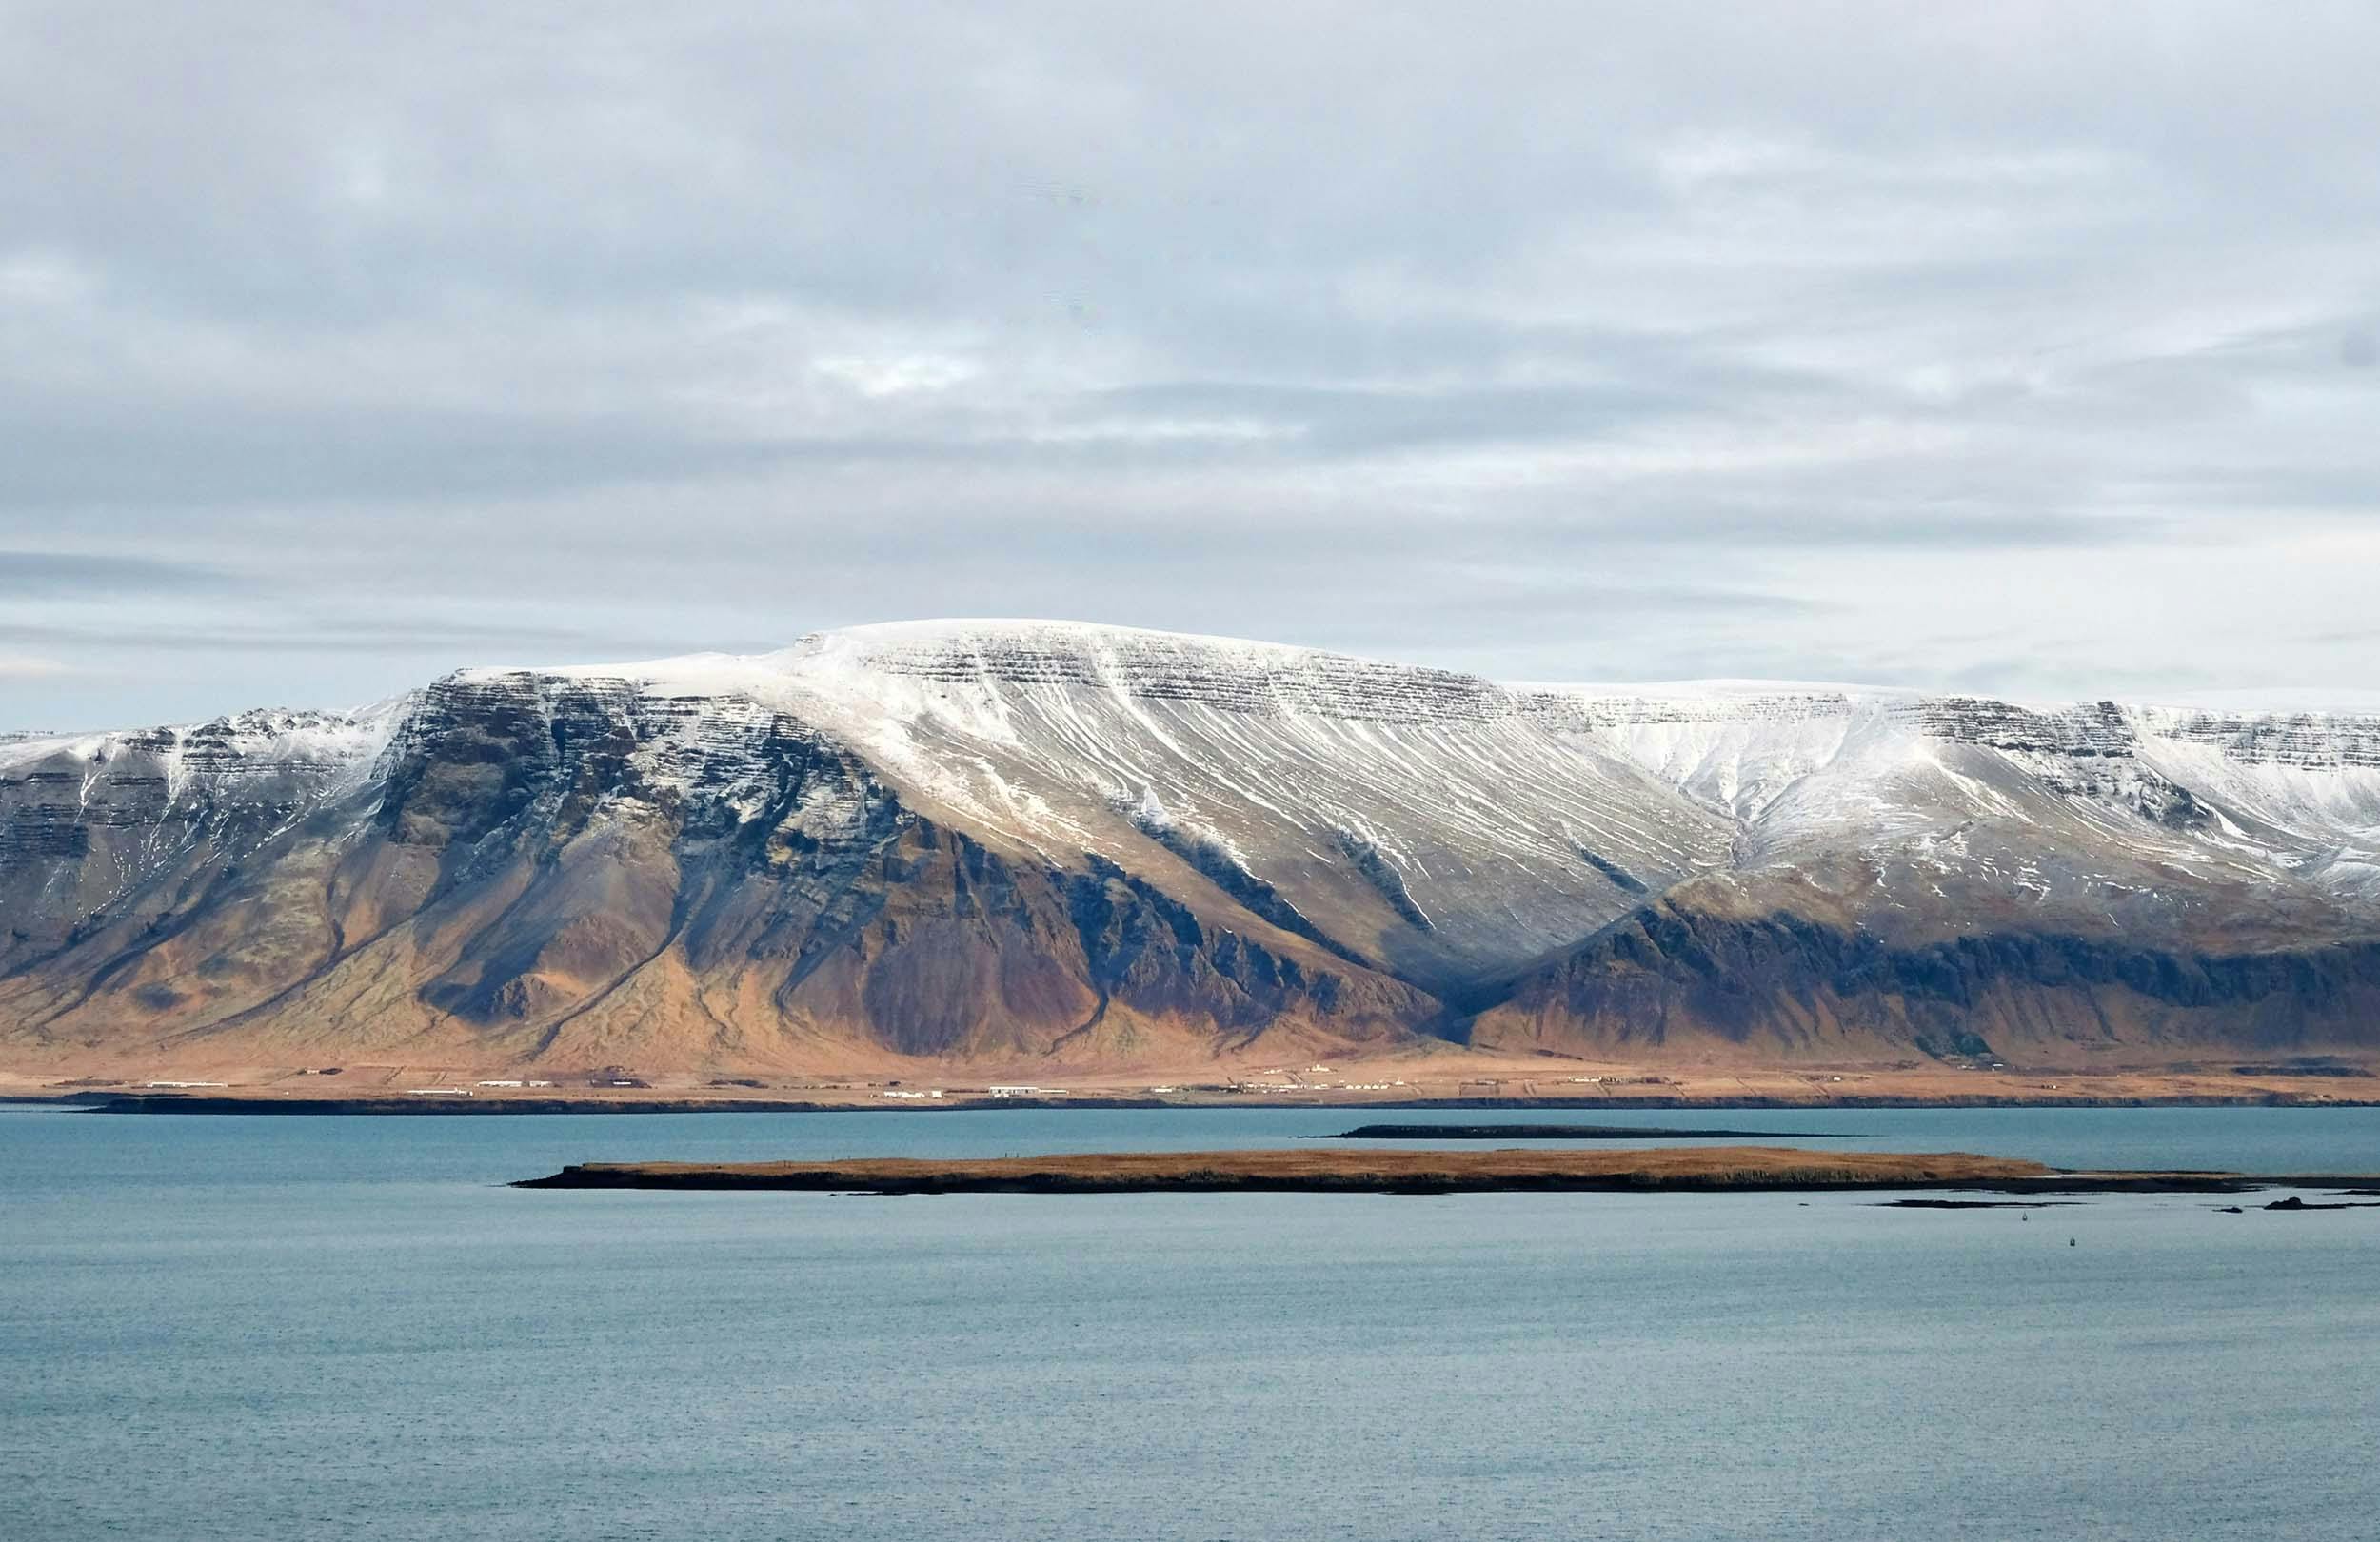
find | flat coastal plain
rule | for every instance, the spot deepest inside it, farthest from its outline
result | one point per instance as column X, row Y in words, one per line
column 1443, row 1077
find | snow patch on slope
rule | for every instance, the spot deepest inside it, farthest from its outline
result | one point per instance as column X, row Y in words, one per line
column 1503, row 813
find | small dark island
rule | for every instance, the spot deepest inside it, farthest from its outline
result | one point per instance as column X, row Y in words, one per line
column 1687, row 1170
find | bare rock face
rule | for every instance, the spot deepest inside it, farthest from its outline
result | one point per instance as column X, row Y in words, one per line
column 586, row 872
column 1025, row 843
column 118, row 847
column 1686, row 978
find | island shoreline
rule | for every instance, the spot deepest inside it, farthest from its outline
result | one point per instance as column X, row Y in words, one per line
column 1659, row 1170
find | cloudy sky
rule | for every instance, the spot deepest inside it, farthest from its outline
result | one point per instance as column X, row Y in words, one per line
column 2025, row 349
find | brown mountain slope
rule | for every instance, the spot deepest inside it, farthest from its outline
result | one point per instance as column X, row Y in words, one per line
column 1722, row 969
column 510, row 890
column 1032, row 845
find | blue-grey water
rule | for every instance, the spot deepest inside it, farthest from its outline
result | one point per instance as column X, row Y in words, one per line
column 272, row 1328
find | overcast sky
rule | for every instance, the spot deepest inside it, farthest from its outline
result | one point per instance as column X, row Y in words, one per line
column 2032, row 350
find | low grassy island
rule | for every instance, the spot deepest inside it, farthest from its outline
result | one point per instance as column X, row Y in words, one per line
column 1390, row 1172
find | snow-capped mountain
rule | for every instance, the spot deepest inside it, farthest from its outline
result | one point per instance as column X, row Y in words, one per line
column 1008, row 842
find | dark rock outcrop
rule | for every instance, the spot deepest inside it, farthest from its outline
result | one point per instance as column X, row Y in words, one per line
column 578, row 872
column 1672, row 976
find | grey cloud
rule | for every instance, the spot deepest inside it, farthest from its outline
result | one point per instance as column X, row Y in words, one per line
column 192, row 456
column 317, row 634
column 1851, row 343
column 56, row 574
column 1343, row 421
column 1592, row 603
column 2351, row 488
column 1807, row 526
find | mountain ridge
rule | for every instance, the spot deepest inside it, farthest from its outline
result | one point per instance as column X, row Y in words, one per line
column 1029, row 842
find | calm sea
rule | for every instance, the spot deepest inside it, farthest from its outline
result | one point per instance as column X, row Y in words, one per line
column 286, row 1327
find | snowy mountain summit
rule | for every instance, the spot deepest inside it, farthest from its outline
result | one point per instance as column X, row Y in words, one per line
column 1023, row 841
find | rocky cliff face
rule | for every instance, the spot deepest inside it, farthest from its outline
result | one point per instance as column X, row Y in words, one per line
column 1711, row 977
column 111, row 838
column 586, row 871
column 1021, row 844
